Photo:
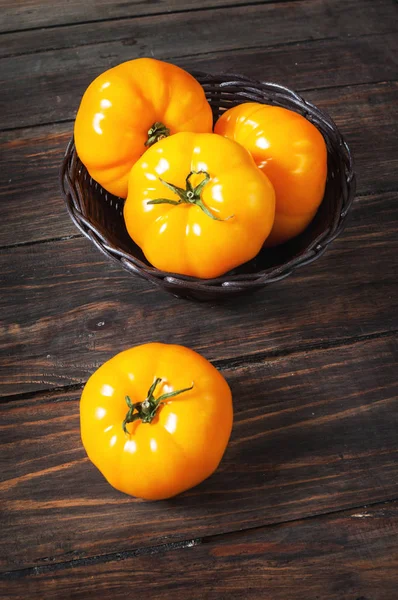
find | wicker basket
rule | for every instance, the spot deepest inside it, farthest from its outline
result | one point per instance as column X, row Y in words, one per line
column 99, row 215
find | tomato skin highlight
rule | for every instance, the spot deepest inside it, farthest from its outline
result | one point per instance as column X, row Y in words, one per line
column 185, row 441
column 223, row 229
column 291, row 152
column 123, row 104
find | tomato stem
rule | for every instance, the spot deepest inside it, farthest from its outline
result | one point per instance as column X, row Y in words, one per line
column 191, row 195
column 157, row 132
column 147, row 409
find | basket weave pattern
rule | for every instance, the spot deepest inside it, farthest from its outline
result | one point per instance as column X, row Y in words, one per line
column 99, row 215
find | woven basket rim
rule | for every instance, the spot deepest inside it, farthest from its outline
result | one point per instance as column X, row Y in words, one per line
column 229, row 282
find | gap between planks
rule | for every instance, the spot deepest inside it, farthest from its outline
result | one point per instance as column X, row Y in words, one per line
column 299, row 90
column 199, row 55
column 227, row 364
column 225, row 6
column 66, row 238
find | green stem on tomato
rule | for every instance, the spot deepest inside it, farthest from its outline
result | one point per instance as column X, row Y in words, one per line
column 191, row 195
column 157, row 132
column 147, row 409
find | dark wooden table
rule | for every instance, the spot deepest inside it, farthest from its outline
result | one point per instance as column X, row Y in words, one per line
column 304, row 505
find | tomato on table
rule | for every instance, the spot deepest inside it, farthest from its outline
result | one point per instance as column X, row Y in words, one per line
column 291, row 152
column 130, row 107
column 156, row 419
column 198, row 205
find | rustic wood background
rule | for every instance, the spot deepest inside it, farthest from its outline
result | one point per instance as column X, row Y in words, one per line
column 304, row 504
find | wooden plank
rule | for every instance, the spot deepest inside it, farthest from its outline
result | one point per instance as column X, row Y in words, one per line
column 65, row 308
column 41, row 97
column 47, row 86
column 261, row 24
column 35, row 13
column 349, row 555
column 313, row 432
column 32, row 208
column 368, row 59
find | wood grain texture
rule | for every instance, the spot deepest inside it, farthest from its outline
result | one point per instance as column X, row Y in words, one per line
column 312, row 64
column 261, row 24
column 37, row 13
column 311, row 361
column 352, row 555
column 313, row 432
column 32, row 208
column 66, row 309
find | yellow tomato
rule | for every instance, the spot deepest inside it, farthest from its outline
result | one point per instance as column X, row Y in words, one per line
column 291, row 152
column 197, row 205
column 130, row 107
column 156, row 419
